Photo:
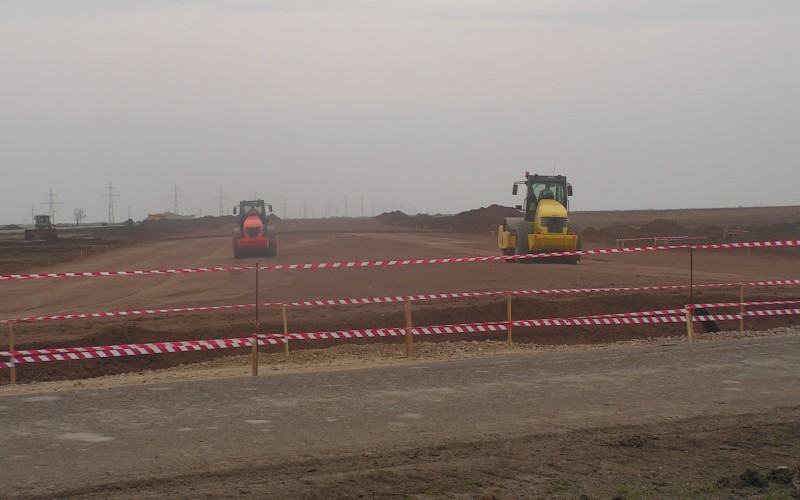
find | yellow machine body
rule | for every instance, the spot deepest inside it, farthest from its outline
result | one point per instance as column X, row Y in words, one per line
column 543, row 225
column 550, row 229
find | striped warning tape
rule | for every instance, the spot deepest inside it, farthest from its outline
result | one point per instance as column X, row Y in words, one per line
column 396, row 299
column 663, row 312
column 111, row 351
column 695, row 306
column 656, row 239
column 676, row 238
column 138, row 312
column 746, row 314
column 747, row 304
column 99, row 352
column 342, row 265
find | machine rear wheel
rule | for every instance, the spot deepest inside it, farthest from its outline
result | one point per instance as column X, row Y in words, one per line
column 578, row 230
column 272, row 249
column 508, row 251
column 523, row 230
column 237, row 254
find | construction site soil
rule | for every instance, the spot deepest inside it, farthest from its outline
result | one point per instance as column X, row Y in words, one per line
column 205, row 242
column 754, row 455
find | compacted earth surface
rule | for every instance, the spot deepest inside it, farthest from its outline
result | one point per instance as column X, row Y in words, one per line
column 741, row 448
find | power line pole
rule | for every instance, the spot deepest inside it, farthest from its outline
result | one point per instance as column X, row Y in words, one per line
column 175, row 203
column 284, row 207
column 110, row 194
column 345, row 206
column 51, row 203
column 221, row 198
column 362, row 205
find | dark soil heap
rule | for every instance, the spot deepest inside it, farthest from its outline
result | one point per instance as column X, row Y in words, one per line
column 490, row 218
column 472, row 221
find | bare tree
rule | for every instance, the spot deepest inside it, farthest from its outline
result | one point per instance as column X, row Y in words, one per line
column 79, row 215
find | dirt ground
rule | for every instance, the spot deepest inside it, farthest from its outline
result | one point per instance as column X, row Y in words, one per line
column 715, row 419
column 753, row 444
column 205, row 243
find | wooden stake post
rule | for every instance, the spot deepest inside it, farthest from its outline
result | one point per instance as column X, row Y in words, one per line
column 409, row 335
column 741, row 308
column 254, row 350
column 285, row 330
column 508, row 310
column 690, row 305
column 13, row 369
column 254, row 357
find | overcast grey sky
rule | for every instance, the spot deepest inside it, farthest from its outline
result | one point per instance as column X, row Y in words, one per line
column 426, row 105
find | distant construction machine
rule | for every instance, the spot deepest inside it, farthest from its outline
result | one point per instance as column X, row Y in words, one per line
column 252, row 236
column 43, row 229
column 544, row 226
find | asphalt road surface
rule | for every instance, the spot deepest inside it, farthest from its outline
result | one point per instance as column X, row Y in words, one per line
column 240, row 436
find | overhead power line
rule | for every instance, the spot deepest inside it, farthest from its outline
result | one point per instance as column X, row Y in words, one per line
column 176, row 200
column 110, row 195
column 221, row 197
column 51, row 203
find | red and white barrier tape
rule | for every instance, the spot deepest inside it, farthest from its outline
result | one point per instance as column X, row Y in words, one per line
column 647, row 238
column 138, row 312
column 664, row 312
column 492, row 326
column 399, row 298
column 658, row 239
column 98, row 352
column 112, row 351
column 747, row 304
column 773, row 312
column 380, row 263
column 746, row 314
column 662, row 238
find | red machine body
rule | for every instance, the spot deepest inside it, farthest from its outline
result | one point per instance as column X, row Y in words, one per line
column 253, row 236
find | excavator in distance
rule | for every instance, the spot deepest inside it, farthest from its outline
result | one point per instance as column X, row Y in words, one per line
column 253, row 236
column 43, row 230
column 544, row 226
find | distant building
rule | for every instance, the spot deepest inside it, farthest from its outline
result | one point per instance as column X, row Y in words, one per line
column 167, row 216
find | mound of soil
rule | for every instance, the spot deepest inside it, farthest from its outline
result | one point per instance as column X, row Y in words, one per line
column 165, row 228
column 10, row 227
column 393, row 218
column 472, row 221
column 778, row 231
column 613, row 232
column 482, row 219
